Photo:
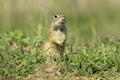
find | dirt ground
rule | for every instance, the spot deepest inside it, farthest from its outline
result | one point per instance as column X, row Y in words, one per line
column 52, row 71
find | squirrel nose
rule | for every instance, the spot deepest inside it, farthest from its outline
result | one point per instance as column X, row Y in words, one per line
column 63, row 19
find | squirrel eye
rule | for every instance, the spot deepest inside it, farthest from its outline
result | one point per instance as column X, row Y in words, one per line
column 55, row 16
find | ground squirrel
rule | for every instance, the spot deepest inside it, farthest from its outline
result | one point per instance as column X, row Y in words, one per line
column 55, row 43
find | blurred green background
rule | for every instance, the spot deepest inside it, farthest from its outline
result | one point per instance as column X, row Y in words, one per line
column 33, row 17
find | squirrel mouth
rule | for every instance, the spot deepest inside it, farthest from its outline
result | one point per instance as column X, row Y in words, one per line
column 62, row 22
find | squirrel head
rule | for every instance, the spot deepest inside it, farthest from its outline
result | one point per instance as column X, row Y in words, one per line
column 58, row 21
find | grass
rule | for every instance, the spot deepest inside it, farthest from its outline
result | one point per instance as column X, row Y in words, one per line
column 20, row 54
column 86, row 57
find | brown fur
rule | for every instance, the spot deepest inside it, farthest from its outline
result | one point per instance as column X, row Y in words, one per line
column 55, row 43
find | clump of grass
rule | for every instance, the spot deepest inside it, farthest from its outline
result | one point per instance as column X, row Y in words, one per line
column 18, row 55
column 98, row 60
